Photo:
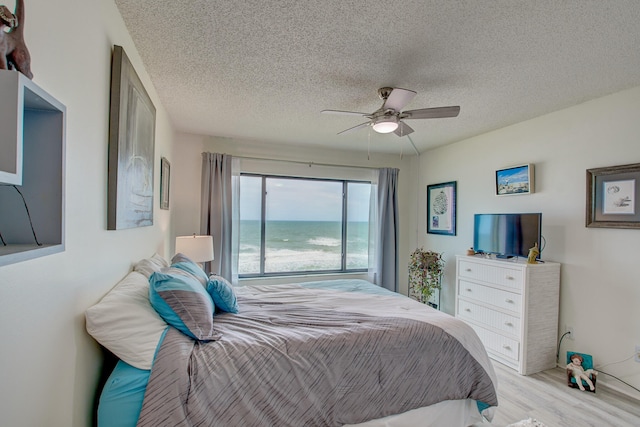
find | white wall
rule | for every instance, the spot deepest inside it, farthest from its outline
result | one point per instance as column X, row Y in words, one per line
column 48, row 364
column 187, row 167
column 600, row 292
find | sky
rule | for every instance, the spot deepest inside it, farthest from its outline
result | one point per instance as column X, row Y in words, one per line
column 515, row 175
column 302, row 200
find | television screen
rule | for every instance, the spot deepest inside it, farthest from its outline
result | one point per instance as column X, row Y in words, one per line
column 506, row 235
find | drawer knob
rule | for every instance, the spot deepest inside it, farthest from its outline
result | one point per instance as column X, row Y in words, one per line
column 510, row 278
column 467, row 309
column 467, row 269
column 508, row 323
column 510, row 301
column 506, row 347
column 468, row 289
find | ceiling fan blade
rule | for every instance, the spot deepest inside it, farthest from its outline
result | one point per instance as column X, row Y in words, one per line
column 361, row 125
column 403, row 129
column 398, row 98
column 432, row 113
column 347, row 113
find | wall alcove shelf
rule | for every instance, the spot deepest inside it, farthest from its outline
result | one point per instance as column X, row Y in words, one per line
column 32, row 166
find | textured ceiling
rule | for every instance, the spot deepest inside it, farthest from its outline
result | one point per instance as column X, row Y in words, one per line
column 263, row 70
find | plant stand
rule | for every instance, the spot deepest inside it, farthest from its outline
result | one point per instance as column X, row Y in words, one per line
column 425, row 277
column 432, row 301
column 415, row 293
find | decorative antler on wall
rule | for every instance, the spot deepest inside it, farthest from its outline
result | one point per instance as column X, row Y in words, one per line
column 13, row 50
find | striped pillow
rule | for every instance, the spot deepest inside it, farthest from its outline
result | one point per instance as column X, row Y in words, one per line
column 182, row 301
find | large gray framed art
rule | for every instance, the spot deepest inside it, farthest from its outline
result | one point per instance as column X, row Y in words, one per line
column 612, row 197
column 131, row 148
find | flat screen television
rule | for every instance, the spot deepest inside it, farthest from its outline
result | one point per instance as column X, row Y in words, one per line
column 507, row 235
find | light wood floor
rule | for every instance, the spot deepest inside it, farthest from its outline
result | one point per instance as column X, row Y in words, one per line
column 546, row 397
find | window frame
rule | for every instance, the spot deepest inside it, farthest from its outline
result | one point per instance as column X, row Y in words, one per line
column 343, row 234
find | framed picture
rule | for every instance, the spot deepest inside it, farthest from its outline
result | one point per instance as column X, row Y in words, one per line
column 132, row 121
column 165, row 175
column 515, row 180
column 612, row 197
column 441, row 208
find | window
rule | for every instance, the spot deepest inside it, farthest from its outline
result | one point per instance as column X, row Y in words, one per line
column 302, row 225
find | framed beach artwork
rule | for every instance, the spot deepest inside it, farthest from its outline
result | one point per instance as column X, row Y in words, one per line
column 165, row 176
column 441, row 208
column 612, row 197
column 515, row 180
column 132, row 121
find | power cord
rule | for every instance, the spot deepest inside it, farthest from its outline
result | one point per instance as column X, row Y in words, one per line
column 543, row 242
column 619, row 361
column 599, row 370
column 560, row 342
column 623, row 382
column 35, row 237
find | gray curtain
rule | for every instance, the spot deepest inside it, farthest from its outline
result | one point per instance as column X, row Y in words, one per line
column 216, row 210
column 383, row 222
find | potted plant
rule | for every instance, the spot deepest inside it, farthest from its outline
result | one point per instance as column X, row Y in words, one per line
column 425, row 274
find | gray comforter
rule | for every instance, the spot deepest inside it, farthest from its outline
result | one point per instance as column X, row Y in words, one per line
column 297, row 364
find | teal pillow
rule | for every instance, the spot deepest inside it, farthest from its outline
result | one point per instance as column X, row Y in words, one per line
column 180, row 257
column 222, row 294
column 183, row 303
column 193, row 269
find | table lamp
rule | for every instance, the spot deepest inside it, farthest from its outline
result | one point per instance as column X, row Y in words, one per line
column 197, row 248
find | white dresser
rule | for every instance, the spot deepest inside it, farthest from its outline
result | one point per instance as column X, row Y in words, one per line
column 513, row 307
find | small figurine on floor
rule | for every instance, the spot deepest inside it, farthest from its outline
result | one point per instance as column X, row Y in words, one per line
column 533, row 254
column 579, row 373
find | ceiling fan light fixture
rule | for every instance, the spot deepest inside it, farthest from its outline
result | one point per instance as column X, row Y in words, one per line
column 390, row 117
column 386, row 124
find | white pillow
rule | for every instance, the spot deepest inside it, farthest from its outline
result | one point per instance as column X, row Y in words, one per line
column 150, row 265
column 125, row 322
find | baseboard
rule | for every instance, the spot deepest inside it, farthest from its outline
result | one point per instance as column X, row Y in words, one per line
column 617, row 386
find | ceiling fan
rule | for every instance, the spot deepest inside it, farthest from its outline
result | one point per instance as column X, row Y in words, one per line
column 389, row 118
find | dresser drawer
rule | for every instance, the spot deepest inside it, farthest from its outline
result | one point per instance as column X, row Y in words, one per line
column 497, row 320
column 506, row 347
column 504, row 276
column 496, row 297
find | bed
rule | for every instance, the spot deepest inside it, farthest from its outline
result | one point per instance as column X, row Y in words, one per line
column 330, row 353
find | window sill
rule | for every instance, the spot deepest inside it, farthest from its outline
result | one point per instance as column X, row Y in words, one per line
column 279, row 280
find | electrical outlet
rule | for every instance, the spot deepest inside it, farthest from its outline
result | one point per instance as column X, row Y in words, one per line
column 569, row 329
column 637, row 356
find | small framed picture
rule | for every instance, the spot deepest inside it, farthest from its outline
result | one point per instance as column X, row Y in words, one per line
column 441, row 208
column 515, row 180
column 165, row 176
column 612, row 197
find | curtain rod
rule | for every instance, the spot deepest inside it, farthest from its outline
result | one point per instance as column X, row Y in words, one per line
column 305, row 163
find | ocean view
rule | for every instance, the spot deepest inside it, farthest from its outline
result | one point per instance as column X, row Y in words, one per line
column 301, row 246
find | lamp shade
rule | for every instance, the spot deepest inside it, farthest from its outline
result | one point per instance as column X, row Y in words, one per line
column 198, row 248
